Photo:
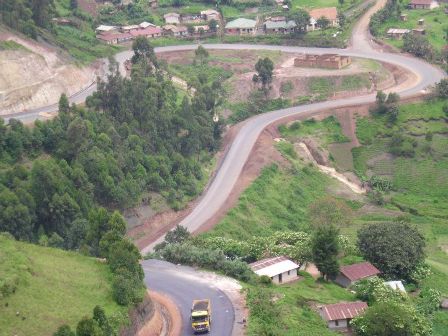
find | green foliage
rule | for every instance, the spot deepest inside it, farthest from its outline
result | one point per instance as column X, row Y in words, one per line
column 302, row 18
column 442, row 89
column 328, row 211
column 325, row 249
column 374, row 290
column 264, row 68
column 391, row 10
column 391, row 318
column 428, row 301
column 206, row 258
column 394, row 248
column 64, row 330
column 201, row 55
column 418, row 45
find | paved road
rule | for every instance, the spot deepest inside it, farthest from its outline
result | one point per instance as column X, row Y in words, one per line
column 183, row 285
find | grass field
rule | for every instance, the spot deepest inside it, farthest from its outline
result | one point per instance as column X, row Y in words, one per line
column 53, row 287
column 435, row 23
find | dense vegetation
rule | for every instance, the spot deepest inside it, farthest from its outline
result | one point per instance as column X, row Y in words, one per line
column 47, row 284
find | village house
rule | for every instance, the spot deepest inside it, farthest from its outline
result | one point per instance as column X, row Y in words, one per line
column 348, row 275
column 397, row 33
column 202, row 29
column 273, row 26
column 327, row 61
column 339, row 315
column 331, row 13
column 176, row 31
column 115, row 38
column 241, row 26
column 423, row 4
column 150, row 32
column 191, row 18
column 128, row 29
column 279, row 269
column 172, row 18
column 103, row 29
column 210, row 14
column 145, row 24
column 419, row 31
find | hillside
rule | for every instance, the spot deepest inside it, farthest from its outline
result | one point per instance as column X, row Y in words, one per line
column 42, row 288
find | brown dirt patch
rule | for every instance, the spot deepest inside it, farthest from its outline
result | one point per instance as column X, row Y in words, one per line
column 169, row 313
column 89, row 6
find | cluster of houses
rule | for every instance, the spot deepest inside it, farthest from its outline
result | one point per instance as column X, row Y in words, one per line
column 280, row 24
column 399, row 33
column 338, row 316
column 174, row 26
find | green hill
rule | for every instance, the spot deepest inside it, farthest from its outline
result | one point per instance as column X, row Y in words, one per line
column 42, row 288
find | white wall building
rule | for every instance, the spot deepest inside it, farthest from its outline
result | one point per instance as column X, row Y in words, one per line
column 279, row 269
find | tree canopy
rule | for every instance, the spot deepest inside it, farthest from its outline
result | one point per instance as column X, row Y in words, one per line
column 325, row 249
column 394, row 248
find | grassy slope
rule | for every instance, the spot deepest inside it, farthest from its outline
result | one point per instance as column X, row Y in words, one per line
column 435, row 22
column 54, row 287
column 278, row 200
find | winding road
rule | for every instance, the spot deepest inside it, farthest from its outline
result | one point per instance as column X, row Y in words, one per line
column 173, row 280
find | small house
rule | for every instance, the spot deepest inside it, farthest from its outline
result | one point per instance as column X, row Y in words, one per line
column 172, row 18
column 176, row 31
column 339, row 315
column 421, row 22
column 145, row 25
column 241, row 26
column 396, row 285
column 444, row 303
column 423, row 4
column 103, row 29
column 331, row 13
column 150, row 32
column 203, row 29
column 403, row 17
column 128, row 29
column 419, row 31
column 348, row 275
column 397, row 33
column 210, row 14
column 279, row 27
column 279, row 269
column 279, row 2
column 115, row 38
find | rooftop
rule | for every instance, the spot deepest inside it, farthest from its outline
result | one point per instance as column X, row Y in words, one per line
column 397, row 285
column 105, row 28
column 241, row 23
column 421, row 2
column 279, row 24
column 342, row 311
column 146, row 31
column 273, row 266
column 359, row 271
column 171, row 14
column 398, row 31
column 330, row 13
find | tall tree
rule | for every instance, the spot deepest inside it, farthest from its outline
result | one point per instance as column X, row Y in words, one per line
column 302, row 19
column 325, row 249
column 264, row 68
column 394, row 248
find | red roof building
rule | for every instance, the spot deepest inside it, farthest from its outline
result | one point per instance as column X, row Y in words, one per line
column 149, row 32
column 423, row 4
column 352, row 273
column 339, row 315
column 114, row 38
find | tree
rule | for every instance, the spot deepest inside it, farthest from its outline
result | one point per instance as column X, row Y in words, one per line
column 73, row 4
column 302, row 19
column 442, row 88
column 330, row 211
column 342, row 19
column 100, row 317
column 213, row 24
column 88, row 327
column 394, row 248
column 391, row 319
column 190, row 29
column 418, row 45
column 341, row 2
column 323, row 22
column 64, row 330
column 325, row 249
column 143, row 51
column 264, row 68
column 201, row 55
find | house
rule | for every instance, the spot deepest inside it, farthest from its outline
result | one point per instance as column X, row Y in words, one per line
column 210, row 14
column 172, row 18
column 444, row 304
column 241, row 26
column 423, row 4
column 421, row 22
column 279, row 27
column 106, row 29
column 397, row 285
column 327, row 61
column 203, row 29
column 177, row 31
column 128, row 29
column 403, row 17
column 419, row 31
column 350, row 274
column 279, row 269
column 191, row 18
column 397, row 33
column 115, row 38
column 339, row 315
column 62, row 21
column 153, row 3
column 279, row 2
column 145, row 24
column 150, row 32
column 331, row 13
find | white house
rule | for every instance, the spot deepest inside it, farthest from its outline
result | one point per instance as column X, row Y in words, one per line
column 279, row 269
column 397, row 285
column 172, row 18
column 339, row 315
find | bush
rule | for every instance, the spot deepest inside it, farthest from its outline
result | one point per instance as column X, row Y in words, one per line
column 127, row 289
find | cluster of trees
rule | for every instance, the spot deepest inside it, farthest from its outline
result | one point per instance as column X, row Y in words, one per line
column 97, row 325
column 133, row 138
column 386, row 105
column 391, row 10
column 418, row 45
column 26, row 15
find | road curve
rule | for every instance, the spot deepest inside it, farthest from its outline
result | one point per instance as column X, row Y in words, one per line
column 183, row 285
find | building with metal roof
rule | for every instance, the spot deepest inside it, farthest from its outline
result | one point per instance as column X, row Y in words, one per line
column 279, row 269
